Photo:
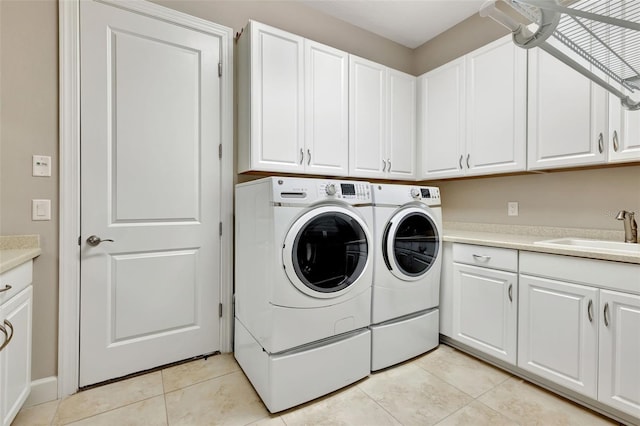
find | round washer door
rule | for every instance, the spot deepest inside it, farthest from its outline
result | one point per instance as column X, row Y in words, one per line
column 326, row 250
column 410, row 243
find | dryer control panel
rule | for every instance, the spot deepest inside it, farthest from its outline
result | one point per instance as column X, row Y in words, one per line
column 305, row 191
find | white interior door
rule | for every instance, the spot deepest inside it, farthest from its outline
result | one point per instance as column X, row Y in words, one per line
column 150, row 181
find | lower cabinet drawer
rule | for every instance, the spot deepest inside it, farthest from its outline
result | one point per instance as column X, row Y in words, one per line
column 487, row 257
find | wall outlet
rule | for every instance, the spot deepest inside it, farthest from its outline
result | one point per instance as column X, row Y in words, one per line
column 512, row 208
column 41, row 165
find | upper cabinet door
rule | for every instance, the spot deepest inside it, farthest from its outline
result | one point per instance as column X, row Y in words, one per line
column 401, row 128
column 326, row 110
column 567, row 115
column 270, row 118
column 441, row 121
column 367, row 118
column 496, row 103
column 624, row 132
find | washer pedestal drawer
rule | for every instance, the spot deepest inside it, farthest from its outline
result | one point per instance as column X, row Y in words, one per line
column 404, row 338
column 290, row 378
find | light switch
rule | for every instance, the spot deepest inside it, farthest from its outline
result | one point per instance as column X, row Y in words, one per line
column 41, row 209
column 41, row 165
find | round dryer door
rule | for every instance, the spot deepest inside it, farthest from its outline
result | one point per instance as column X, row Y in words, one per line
column 326, row 251
column 410, row 243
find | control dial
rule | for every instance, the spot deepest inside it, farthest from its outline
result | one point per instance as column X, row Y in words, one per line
column 415, row 193
column 331, row 189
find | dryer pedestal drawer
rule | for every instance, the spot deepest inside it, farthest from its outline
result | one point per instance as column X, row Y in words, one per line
column 292, row 378
column 404, row 338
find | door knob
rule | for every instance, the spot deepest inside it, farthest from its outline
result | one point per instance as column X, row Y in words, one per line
column 94, row 240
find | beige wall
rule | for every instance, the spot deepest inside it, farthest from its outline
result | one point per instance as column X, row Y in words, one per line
column 29, row 125
column 571, row 198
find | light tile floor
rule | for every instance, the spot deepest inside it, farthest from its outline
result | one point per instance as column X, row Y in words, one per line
column 444, row 387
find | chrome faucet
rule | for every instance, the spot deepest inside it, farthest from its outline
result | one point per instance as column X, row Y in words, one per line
column 630, row 226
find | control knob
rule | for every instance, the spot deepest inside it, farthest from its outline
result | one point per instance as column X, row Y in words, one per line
column 415, row 193
column 331, row 189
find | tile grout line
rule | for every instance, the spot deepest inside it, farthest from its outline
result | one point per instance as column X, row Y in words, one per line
column 378, row 404
column 206, row 380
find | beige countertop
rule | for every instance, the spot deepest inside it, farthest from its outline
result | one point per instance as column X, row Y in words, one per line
column 18, row 249
column 524, row 238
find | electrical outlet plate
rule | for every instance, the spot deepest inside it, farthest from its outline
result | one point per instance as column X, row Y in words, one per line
column 41, row 165
column 512, row 208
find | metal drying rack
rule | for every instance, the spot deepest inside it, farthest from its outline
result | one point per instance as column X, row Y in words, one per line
column 605, row 33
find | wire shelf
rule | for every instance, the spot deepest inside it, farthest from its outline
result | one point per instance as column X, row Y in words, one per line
column 605, row 33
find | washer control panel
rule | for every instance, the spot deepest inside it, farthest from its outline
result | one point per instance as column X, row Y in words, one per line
column 425, row 193
column 345, row 190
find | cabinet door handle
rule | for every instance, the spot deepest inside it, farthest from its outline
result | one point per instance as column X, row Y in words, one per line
column 460, row 162
column 301, row 155
column 7, row 287
column 600, row 143
column 510, row 292
column 384, row 165
column 308, row 157
column 388, row 165
column 468, row 156
column 590, row 310
column 606, row 314
column 7, row 336
column 616, row 143
column 481, row 258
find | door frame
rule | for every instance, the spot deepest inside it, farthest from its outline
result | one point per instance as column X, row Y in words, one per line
column 69, row 160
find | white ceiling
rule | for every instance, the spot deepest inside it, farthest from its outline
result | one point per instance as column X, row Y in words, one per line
column 407, row 22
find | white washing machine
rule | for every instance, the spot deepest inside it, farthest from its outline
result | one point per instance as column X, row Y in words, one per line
column 406, row 281
column 303, row 276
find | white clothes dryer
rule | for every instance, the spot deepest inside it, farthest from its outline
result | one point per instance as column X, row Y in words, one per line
column 406, row 283
column 303, row 276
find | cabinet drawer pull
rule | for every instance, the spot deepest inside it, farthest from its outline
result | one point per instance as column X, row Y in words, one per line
column 510, row 292
column 460, row 162
column 590, row 310
column 616, row 144
column 468, row 157
column 384, row 165
column 8, row 337
column 308, row 157
column 301, row 155
column 7, row 287
column 481, row 258
column 606, row 314
column 600, row 143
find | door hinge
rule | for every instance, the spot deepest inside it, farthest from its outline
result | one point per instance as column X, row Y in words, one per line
column 220, row 230
column 219, row 310
column 80, row 240
column 220, row 151
column 219, row 69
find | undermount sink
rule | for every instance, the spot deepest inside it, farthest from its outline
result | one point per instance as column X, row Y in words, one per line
column 599, row 245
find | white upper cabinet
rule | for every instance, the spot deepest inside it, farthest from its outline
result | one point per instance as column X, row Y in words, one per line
column 401, row 129
column 496, row 87
column 473, row 113
column 624, row 132
column 382, row 105
column 441, row 121
column 292, row 113
column 367, row 113
column 326, row 121
column 567, row 115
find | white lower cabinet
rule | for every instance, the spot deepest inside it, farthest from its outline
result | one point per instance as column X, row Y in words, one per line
column 619, row 355
column 558, row 332
column 15, row 341
column 577, row 330
column 485, row 301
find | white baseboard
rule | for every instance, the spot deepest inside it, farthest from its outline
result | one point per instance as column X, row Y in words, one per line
column 43, row 390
